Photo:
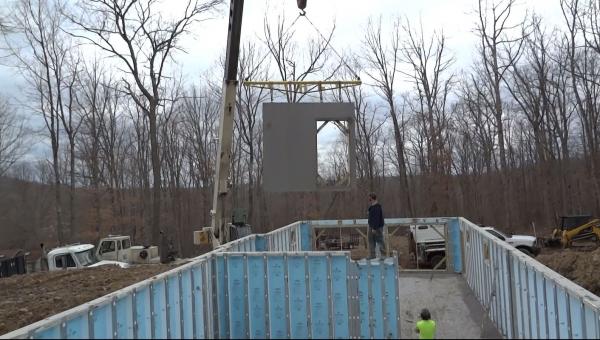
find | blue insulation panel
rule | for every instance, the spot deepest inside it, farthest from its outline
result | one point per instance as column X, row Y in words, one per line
column 552, row 308
column 541, row 305
column 102, row 320
column 591, row 323
column 256, row 297
column 576, row 318
column 298, row 297
column 199, row 288
column 319, row 297
column 455, row 243
column 77, row 328
column 305, row 237
column 187, row 300
column 363, row 297
column 124, row 317
column 390, row 301
column 277, row 298
column 237, row 298
column 339, row 289
column 159, row 303
column 221, row 289
column 563, row 313
column 260, row 243
column 532, row 304
column 376, row 300
column 143, row 314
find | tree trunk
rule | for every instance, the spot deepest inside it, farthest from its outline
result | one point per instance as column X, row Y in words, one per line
column 156, row 188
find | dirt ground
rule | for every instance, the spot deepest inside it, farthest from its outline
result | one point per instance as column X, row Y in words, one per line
column 578, row 265
column 28, row 298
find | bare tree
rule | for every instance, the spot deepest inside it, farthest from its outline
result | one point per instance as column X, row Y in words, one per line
column 500, row 49
column 383, row 62
column 12, row 137
column 40, row 47
column 146, row 41
column 248, row 107
column 292, row 65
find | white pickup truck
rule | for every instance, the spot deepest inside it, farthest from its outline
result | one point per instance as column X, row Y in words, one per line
column 525, row 243
column 77, row 256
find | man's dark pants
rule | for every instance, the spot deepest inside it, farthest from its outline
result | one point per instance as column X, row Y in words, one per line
column 376, row 237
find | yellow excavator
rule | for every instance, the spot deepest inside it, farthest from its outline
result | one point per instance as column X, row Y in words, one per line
column 575, row 228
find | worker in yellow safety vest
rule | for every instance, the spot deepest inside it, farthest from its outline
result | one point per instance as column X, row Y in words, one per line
column 426, row 326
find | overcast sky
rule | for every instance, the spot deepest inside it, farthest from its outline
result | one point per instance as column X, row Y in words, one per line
column 208, row 39
column 455, row 17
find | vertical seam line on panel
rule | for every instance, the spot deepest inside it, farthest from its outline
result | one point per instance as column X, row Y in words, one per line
column 556, row 321
column 286, row 286
column 514, row 328
column 349, row 299
column 535, row 303
column 370, row 300
column 207, row 304
column 134, row 313
column 168, row 305
column 181, row 316
column 330, row 296
column 583, row 326
column 216, row 331
column 545, row 292
column 90, row 319
column 267, row 307
column 397, row 290
column 383, row 304
column 62, row 328
column 193, row 297
column 113, row 314
column 246, row 297
column 308, row 304
column 152, row 313
column 568, row 305
column 226, row 288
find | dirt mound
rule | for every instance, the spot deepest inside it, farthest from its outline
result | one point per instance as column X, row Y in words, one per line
column 576, row 265
column 25, row 299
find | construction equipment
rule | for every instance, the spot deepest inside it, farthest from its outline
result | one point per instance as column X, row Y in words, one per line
column 575, row 228
column 220, row 232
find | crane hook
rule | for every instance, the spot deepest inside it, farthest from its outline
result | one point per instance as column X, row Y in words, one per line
column 302, row 6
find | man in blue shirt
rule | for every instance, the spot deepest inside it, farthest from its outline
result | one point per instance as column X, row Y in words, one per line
column 375, row 226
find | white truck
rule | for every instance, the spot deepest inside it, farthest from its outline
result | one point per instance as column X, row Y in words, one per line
column 428, row 245
column 525, row 243
column 119, row 248
column 77, row 256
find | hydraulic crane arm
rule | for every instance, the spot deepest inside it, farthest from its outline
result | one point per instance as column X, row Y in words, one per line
column 219, row 227
column 220, row 232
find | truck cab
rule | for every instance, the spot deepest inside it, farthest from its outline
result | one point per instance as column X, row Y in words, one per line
column 119, row 248
column 76, row 256
column 114, row 248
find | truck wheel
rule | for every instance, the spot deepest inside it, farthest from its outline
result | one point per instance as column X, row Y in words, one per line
column 526, row 251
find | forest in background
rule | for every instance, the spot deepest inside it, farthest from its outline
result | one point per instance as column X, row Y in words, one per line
column 509, row 140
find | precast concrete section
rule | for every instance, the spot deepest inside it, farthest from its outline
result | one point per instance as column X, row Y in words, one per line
column 275, row 286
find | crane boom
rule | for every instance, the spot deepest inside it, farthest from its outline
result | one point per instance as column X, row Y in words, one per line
column 220, row 230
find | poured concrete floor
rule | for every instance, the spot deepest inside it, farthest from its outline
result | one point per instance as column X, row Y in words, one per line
column 452, row 304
